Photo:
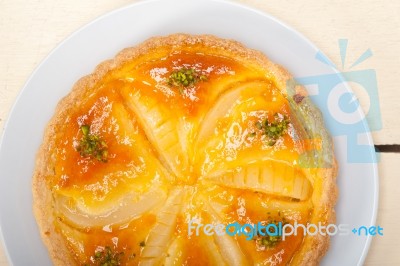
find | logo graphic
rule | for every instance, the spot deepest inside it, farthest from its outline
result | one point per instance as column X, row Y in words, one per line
column 341, row 108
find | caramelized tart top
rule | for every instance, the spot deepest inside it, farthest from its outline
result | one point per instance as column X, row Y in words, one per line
column 184, row 130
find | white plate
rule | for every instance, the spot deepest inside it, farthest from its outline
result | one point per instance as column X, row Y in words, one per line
column 102, row 39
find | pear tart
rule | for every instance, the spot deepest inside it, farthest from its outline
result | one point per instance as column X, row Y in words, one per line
column 172, row 135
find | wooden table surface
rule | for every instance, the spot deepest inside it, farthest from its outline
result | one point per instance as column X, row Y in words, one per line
column 29, row 30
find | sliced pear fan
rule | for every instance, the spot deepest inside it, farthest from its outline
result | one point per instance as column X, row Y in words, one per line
column 162, row 233
column 162, row 131
column 128, row 208
column 270, row 177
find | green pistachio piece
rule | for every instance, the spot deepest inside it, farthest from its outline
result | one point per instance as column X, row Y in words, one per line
column 92, row 145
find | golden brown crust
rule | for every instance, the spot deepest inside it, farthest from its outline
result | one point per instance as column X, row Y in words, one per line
column 312, row 249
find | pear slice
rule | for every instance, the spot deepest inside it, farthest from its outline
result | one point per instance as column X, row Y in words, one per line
column 75, row 239
column 129, row 207
column 175, row 253
column 224, row 131
column 226, row 102
column 166, row 134
column 270, row 177
column 213, row 253
column 161, row 235
column 226, row 245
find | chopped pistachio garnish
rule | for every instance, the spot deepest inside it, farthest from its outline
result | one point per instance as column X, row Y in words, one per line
column 273, row 130
column 92, row 145
column 251, row 135
column 185, row 77
column 107, row 257
column 269, row 241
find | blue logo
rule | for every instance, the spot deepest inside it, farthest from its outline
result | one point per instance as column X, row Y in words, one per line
column 341, row 108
